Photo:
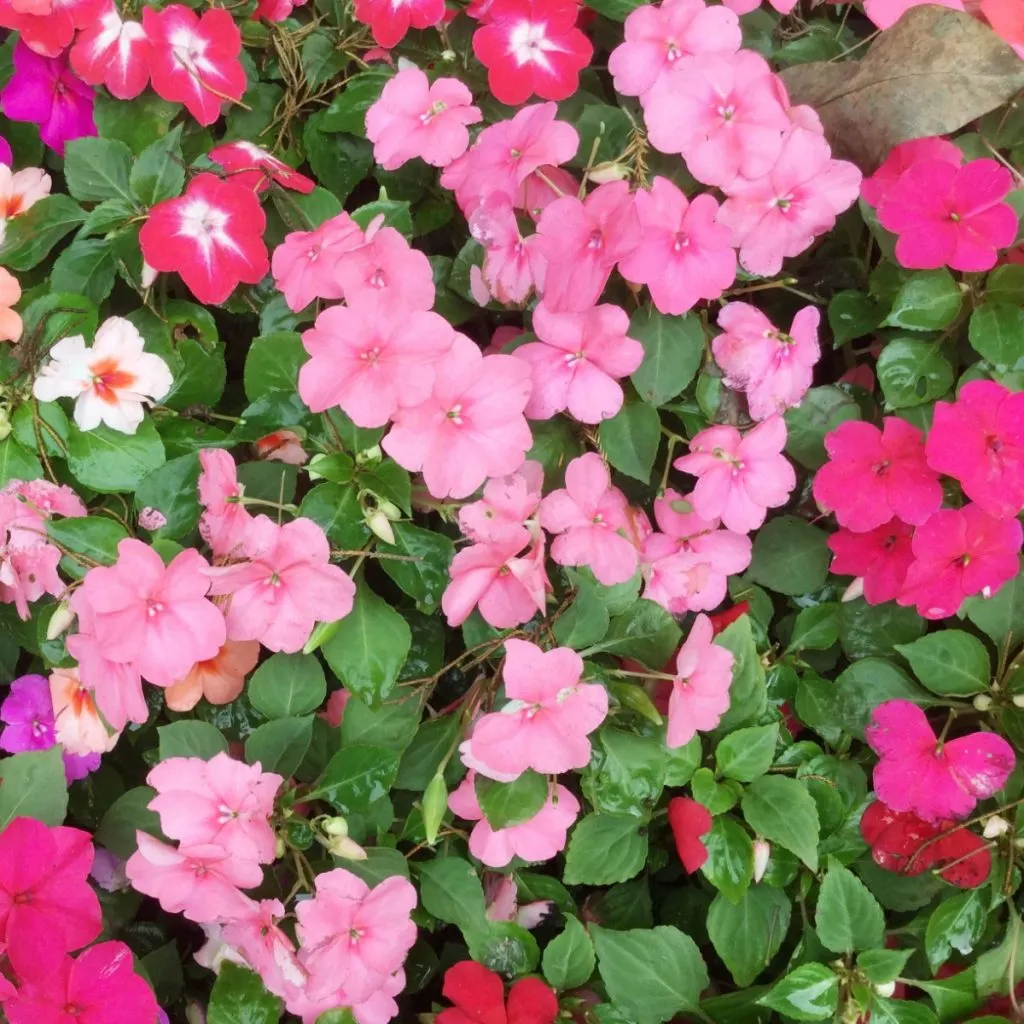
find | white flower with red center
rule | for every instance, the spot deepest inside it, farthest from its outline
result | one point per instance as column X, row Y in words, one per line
column 255, row 168
column 195, row 60
column 110, row 382
column 212, row 236
column 19, row 191
column 113, row 53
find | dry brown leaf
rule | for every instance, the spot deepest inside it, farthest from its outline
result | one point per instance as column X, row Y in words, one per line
column 933, row 72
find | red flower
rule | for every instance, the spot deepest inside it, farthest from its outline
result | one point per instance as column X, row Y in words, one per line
column 390, row 21
column 114, row 53
column 690, row 822
column 48, row 28
column 479, row 998
column 722, row 619
column 255, row 168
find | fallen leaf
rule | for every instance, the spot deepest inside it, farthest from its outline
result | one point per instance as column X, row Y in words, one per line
column 933, row 72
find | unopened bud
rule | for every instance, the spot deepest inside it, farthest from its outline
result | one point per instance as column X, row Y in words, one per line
column 5, row 425
column 60, row 621
column 346, row 849
column 1018, row 701
column 605, row 173
column 374, row 454
column 435, row 803
column 886, row 989
column 322, row 632
column 380, row 526
column 335, row 827
column 995, row 826
column 854, row 590
column 149, row 275
column 762, row 854
column 448, row 56
column 195, row 1014
column 311, row 468
column 279, row 848
column 390, row 509
column 404, row 64
column 982, row 702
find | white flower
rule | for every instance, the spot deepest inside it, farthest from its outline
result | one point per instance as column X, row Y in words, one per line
column 110, row 382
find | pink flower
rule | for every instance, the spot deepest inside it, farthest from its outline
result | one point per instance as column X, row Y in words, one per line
column 541, row 188
column 221, row 802
column 739, row 476
column 657, row 38
column 390, row 21
column 578, row 361
column 281, row 446
column 885, row 13
column 582, row 242
column 304, row 264
column 957, row 553
column 700, row 689
column 112, row 52
column 537, row 839
column 916, row 772
column 880, row 557
column 874, row 190
column 472, row 425
column 200, row 882
column 873, row 475
column 79, row 728
column 225, row 519
column 506, row 510
column 550, row 714
column 532, row 47
column 266, row 948
column 388, row 268
column 212, row 235
column 47, row 908
column 353, row 937
column 684, row 255
column 950, row 216
column 255, row 168
column 370, row 358
column 19, row 192
column 690, row 822
column 47, row 26
column 979, row 440
column 415, row 117
column 194, row 60
column 117, row 686
column 513, row 265
column 285, row 585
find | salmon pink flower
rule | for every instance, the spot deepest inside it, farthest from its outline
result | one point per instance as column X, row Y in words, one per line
column 112, row 52
column 479, row 996
column 879, row 557
column 218, row 680
column 389, row 21
column 212, row 235
column 10, row 292
column 700, row 689
column 934, row 780
column 690, row 822
column 507, row 508
column 19, row 192
column 47, row 26
column 304, row 264
column 388, row 268
column 256, row 169
column 874, row 190
column 225, row 519
column 78, row 726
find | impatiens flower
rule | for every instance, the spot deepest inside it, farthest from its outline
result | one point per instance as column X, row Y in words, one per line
column 19, row 192
column 221, row 802
column 957, row 553
column 117, row 686
column 111, row 381
column 550, row 714
column 690, row 822
column 885, row 13
column 47, row 27
column 502, row 896
column 389, row 21
column 304, row 264
column 387, row 268
column 513, row 265
column 285, row 585
column 471, row 427
column 10, row 293
column 281, row 446
column 880, row 558
column 353, row 937
column 979, row 440
column 379, row 1008
column 874, row 190
column 934, row 780
column 684, row 255
column 700, row 689
column 740, row 477
column 949, row 216
column 225, row 519
column 415, row 117
column 112, row 52
column 506, row 509
column 266, row 948
column 255, row 168
column 532, row 47
column 371, row 357
column 45, row 91
column 212, row 235
column 47, row 907
column 774, row 368
column 194, row 60
column 77, row 725
column 1007, row 20
column 218, row 680
column 537, row 839
column 151, row 519
column 578, row 362
column 478, row 995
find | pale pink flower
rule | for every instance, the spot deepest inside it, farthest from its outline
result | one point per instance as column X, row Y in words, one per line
column 541, row 188
column 78, row 727
column 387, row 268
column 379, row 1008
column 502, row 896
column 266, row 949
column 304, row 264
column 117, row 686
column 700, row 689
column 281, row 446
column 19, row 192
column 513, row 265
column 151, row 519
column 225, row 519
column 507, row 509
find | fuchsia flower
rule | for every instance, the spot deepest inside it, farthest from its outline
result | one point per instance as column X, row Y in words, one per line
column 112, row 52
column 874, row 190
column 387, row 268
column 880, row 557
column 506, row 510
column 513, row 265
column 700, row 689
column 915, row 772
column 415, row 117
column 873, row 475
column 225, row 519
column 255, row 168
column 950, row 216
column 537, row 839
column 578, row 362
column 194, row 59
column 550, row 714
column 212, row 235
column 957, row 553
column 690, row 822
column 739, row 476
column 979, row 440
column 304, row 264
column 389, row 21
column 47, row 27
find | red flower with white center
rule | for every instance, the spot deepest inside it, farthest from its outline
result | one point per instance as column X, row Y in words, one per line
column 113, row 53
column 389, row 20
column 255, row 168
column 195, row 60
column 212, row 236
column 532, row 46
column 48, row 27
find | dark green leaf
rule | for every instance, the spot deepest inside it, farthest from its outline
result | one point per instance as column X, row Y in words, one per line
column 32, row 785
column 781, row 810
column 848, row 918
column 927, row 301
column 511, row 803
column 287, row 685
column 630, row 439
column 569, row 958
column 357, row 776
column 748, row 934
column 159, row 172
column 790, row 556
column 956, row 923
column 31, row 236
column 280, row 746
column 747, row 754
column 605, row 849
column 996, row 332
column 912, row 373
column 809, row 993
column 109, row 461
column 97, row 169
column 673, row 350
column 86, row 267
column 425, row 577
column 238, row 997
column 730, row 864
column 949, row 662
column 191, row 739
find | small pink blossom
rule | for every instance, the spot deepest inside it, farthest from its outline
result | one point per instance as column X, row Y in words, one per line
column 304, row 264
column 513, row 265
column 151, row 519
column 116, row 686
column 266, row 948
column 873, row 190
column 281, row 446
column 256, row 169
column 879, row 557
column 19, row 192
column 387, row 268
column 507, row 509
column 225, row 519
column 700, row 689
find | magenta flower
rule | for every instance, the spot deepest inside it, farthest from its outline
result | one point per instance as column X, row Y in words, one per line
column 45, row 91
column 879, row 558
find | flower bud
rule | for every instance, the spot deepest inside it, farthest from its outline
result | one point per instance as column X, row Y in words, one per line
column 854, row 590
column 380, row 526
column 762, row 854
column 1018, row 700
column 389, row 508
column 5, row 425
column 995, row 826
column 608, row 172
column 335, row 827
column 149, row 275
column 322, row 632
column 60, row 621
column 346, row 849
column 982, row 702
column 374, row 454
column 279, row 848
column 435, row 803
column 886, row 989
column 448, row 56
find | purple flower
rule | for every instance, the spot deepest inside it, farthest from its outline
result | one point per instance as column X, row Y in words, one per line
column 46, row 92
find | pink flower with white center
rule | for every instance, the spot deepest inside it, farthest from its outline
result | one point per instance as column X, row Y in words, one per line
column 590, row 516
column 267, row 949
column 513, row 266
column 353, row 937
column 550, row 714
column 471, row 427
column 700, row 689
column 537, row 839
column 284, row 587
column 255, row 168
column 225, row 519
column 221, row 802
column 304, row 264
column 415, row 117
column 46, row 27
column 19, row 192
column 387, row 268
column 111, row 381
column 773, row 367
column 78, row 727
column 739, row 476
column 684, row 254
column 113, row 52
column 658, row 38
column 212, row 236
column 781, row 213
column 582, row 242
column 390, row 21
column 879, row 558
column 506, row 512
column 194, row 60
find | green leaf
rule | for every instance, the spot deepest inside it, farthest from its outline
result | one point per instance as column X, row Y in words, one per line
column 626, row 773
column 280, row 746
column 585, row 622
column 630, row 439
column 949, row 662
column 781, row 810
column 867, row 630
column 883, row 965
column 511, row 803
column 747, row 754
column 339, row 161
column 852, row 315
column 128, row 814
column 605, row 849
column 956, row 923
column 426, row 751
column 928, row 300
column 171, row 490
column 1001, row 616
column 16, row 463
column 159, row 172
column 790, row 556
column 111, row 462
column 816, row 628
column 357, row 777
column 645, row 632
column 650, row 974
column 809, row 993
column 86, row 267
column 272, row 364
column 31, row 236
column 717, row 797
column 868, row 683
column 287, row 685
column 396, row 215
column 673, row 350
column 347, row 112
column 320, row 60
column 32, row 785
column 912, row 373
column 569, row 958
column 191, row 739
column 617, row 10
column 900, row 1011
column 94, row 537
column 138, row 122
column 819, row 413
column 748, row 695
column 451, row 891
column 425, row 578
column 238, row 997
column 392, row 725
column 97, row 169
column 996, row 332
column 848, row 918
column 954, row 997
column 335, row 508
column 730, row 864
column 748, row 934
